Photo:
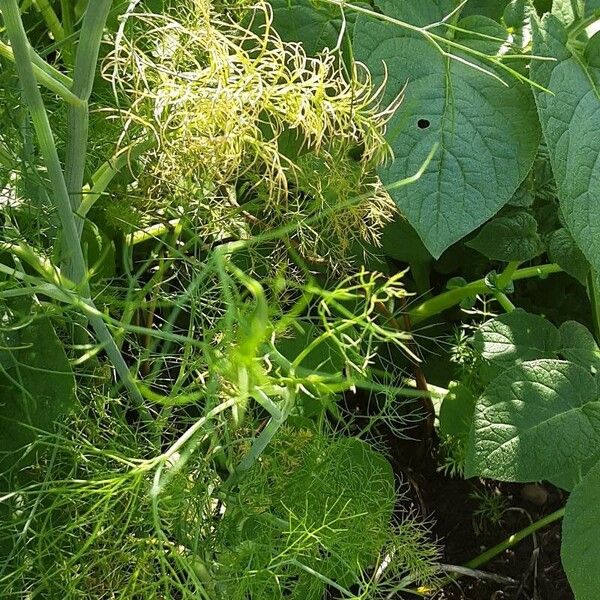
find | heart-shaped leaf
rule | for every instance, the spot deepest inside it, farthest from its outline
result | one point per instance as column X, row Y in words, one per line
column 487, row 131
column 580, row 533
column 516, row 337
column 534, row 421
column 570, row 117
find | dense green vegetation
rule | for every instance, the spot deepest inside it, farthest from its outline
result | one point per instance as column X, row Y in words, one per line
column 262, row 261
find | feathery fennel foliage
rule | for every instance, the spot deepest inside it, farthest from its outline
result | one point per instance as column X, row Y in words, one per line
column 249, row 131
column 239, row 163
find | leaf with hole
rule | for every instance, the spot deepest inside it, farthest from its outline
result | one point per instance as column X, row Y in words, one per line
column 486, row 130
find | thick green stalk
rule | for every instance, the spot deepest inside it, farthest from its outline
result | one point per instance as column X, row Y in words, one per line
column 52, row 20
column 502, row 282
column 72, row 247
column 86, row 58
column 41, row 124
column 66, row 13
column 439, row 304
column 45, row 74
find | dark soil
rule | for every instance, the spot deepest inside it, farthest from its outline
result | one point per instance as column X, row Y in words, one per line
column 533, row 565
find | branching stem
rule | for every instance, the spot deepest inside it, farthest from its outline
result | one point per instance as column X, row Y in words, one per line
column 438, row 304
column 73, row 254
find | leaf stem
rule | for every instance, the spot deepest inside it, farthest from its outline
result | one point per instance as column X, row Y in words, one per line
column 438, row 304
column 509, row 542
column 504, row 301
column 506, row 276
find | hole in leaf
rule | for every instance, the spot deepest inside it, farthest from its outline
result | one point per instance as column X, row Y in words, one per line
column 423, row 123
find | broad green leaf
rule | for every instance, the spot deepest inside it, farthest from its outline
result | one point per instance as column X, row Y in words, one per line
column 36, row 381
column 302, row 21
column 591, row 56
column 571, row 477
column 524, row 196
column 580, row 550
column 564, row 10
column 400, row 241
column 515, row 337
column 570, row 117
column 487, row 133
column 488, row 8
column 563, row 250
column 569, row 11
column 513, row 237
column 579, row 346
column 516, row 13
column 317, row 25
column 420, row 13
column 591, row 7
column 456, row 412
column 533, row 421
